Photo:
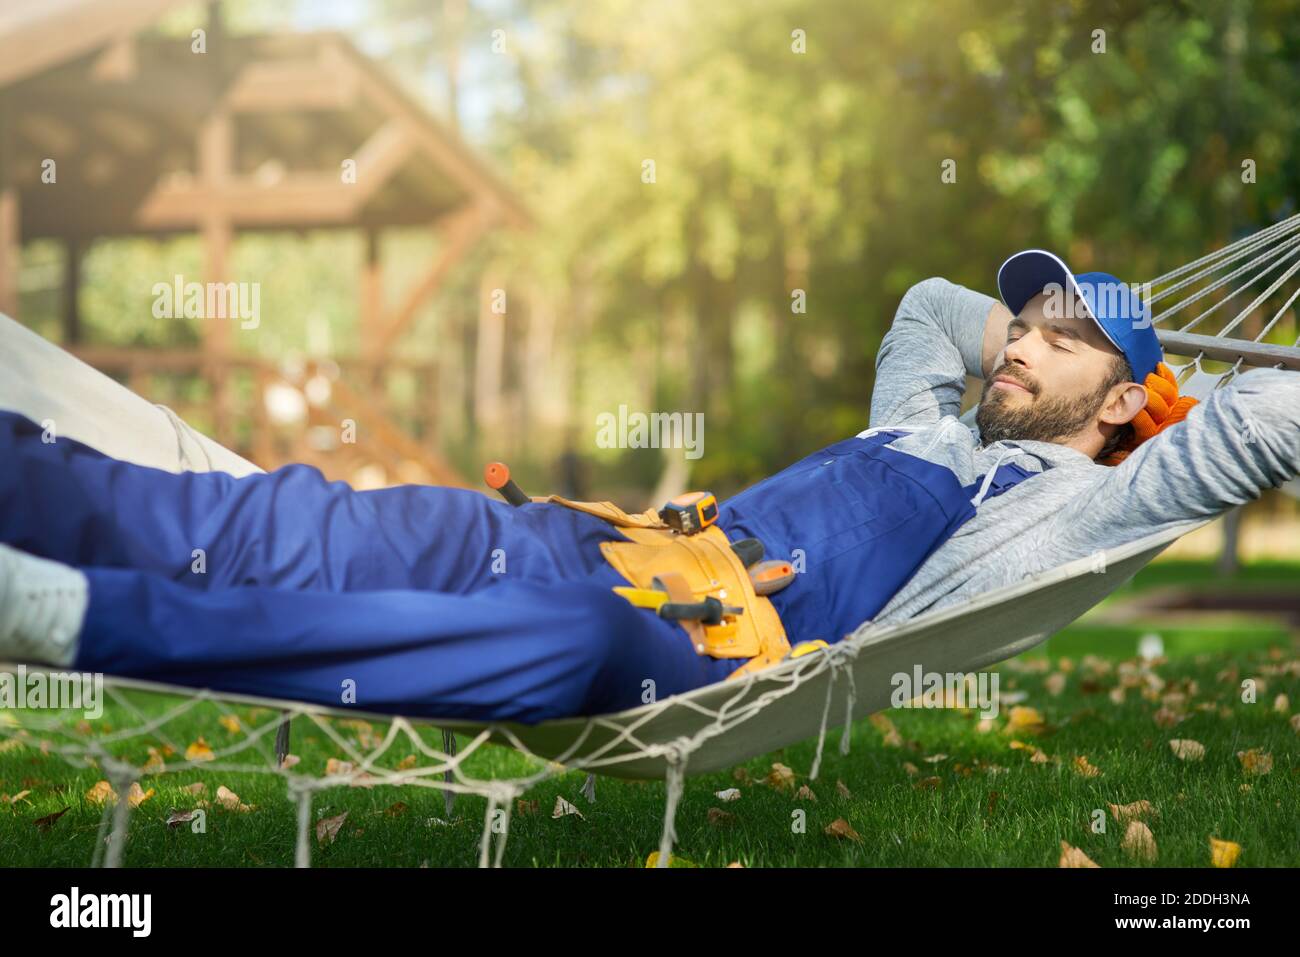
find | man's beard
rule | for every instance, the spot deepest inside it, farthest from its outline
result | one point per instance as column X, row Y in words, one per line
column 1038, row 420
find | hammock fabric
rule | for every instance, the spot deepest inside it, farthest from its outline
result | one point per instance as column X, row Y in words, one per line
column 710, row 728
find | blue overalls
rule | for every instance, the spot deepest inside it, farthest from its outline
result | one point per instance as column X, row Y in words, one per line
column 433, row 601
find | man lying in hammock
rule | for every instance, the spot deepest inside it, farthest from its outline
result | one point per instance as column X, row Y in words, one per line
column 396, row 600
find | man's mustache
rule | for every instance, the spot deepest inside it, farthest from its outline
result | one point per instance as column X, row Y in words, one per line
column 1015, row 375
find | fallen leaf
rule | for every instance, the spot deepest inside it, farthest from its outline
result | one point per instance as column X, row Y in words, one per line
column 1073, row 857
column 735, row 864
column 805, row 793
column 1255, row 761
column 889, row 733
column 138, row 795
column 673, row 861
column 101, row 792
column 929, row 784
column 718, row 817
column 729, row 794
column 155, row 764
column 1138, row 810
column 1055, row 684
column 911, row 769
column 406, row 763
column 230, row 723
column 563, row 808
column 289, row 761
column 842, row 790
column 842, row 829
column 1185, row 749
column 1082, row 766
column 780, row 777
column 336, row 767
column 1139, row 843
column 230, row 800
column 525, row 807
column 1024, row 718
column 935, row 758
column 395, row 810
column 327, row 829
column 1295, row 723
column 176, row 818
column 199, row 751
column 1223, row 853
column 198, row 787
column 1167, row 718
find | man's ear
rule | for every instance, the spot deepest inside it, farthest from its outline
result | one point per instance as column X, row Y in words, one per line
column 1126, row 402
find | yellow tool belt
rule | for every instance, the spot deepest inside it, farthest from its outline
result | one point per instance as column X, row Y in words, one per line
column 709, row 566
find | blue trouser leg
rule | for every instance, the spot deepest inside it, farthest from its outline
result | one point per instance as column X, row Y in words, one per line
column 517, row 650
column 287, row 529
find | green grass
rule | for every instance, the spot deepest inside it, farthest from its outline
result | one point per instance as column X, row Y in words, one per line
column 990, row 806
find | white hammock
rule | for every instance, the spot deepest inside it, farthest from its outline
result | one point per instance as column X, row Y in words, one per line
column 710, row 728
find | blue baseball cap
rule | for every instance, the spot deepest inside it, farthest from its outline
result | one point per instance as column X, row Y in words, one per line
column 1118, row 311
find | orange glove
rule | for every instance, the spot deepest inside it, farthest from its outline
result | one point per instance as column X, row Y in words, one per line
column 1165, row 407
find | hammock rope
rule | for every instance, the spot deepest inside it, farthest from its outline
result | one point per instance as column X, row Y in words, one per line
column 708, row 729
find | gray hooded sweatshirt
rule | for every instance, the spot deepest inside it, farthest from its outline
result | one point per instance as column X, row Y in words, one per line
column 1243, row 439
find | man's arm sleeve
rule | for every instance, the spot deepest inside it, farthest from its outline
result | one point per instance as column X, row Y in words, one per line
column 1245, row 438
column 935, row 340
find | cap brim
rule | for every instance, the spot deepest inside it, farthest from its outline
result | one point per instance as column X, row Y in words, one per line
column 1026, row 274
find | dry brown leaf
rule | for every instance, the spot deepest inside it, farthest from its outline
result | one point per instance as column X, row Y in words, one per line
column 155, row 764
column 101, row 792
column 780, row 777
column 230, row 800
column 727, row 794
column 889, row 733
column 1073, row 857
column 176, row 818
column 230, row 723
column 1082, row 766
column 1167, row 717
column 719, row 817
column 1055, row 684
column 1295, row 723
column 911, row 769
column 935, row 758
column 1255, row 761
column 842, row 790
column 336, row 767
column 735, row 864
column 805, row 793
column 289, row 761
column 138, row 795
column 1223, row 853
column 1137, row 811
column 525, row 807
column 1139, row 843
column 198, row 787
column 327, row 829
column 929, row 784
column 843, row 830
column 406, row 763
column 1185, row 749
column 395, row 810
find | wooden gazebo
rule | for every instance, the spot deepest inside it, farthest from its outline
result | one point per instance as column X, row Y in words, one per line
column 287, row 132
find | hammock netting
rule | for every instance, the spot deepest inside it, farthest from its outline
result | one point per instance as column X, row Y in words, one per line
column 1225, row 311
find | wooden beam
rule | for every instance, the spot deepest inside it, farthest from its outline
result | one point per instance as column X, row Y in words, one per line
column 309, row 199
column 276, row 86
column 10, row 250
column 372, row 289
column 215, row 156
column 71, row 291
column 462, row 229
column 380, row 157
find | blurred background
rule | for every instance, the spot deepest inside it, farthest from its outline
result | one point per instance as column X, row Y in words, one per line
column 474, row 226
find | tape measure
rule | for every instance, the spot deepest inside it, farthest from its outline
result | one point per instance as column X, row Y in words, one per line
column 690, row 513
